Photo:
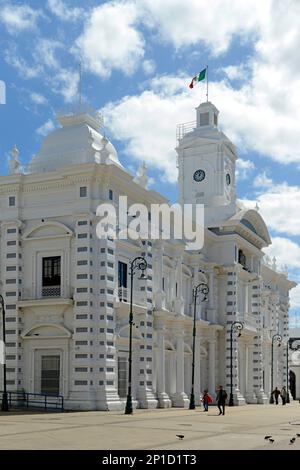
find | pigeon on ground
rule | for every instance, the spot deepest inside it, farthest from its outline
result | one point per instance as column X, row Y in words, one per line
column 271, row 440
column 267, row 437
column 292, row 440
column 180, row 436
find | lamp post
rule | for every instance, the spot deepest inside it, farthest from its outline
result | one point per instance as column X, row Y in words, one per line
column 4, row 395
column 287, row 372
column 278, row 338
column 203, row 289
column 236, row 326
column 138, row 263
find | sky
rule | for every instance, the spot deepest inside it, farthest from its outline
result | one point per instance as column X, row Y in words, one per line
column 138, row 58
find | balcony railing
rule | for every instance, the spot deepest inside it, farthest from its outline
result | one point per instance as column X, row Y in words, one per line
column 51, row 291
column 185, row 128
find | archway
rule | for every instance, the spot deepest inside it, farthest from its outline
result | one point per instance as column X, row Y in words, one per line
column 293, row 384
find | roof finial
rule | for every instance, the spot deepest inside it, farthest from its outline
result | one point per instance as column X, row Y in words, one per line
column 14, row 163
column 141, row 176
column 256, row 207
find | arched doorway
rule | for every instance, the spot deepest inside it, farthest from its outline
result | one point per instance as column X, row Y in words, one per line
column 293, row 384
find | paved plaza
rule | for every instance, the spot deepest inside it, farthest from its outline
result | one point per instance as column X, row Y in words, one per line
column 241, row 428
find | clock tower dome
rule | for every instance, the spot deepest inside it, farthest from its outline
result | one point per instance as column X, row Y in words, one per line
column 206, row 163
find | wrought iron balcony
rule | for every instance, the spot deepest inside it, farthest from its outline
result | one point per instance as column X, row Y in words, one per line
column 51, row 291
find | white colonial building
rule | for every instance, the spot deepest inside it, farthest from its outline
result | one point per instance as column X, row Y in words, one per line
column 67, row 292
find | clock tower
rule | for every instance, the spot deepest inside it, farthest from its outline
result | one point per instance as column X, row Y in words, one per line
column 206, row 163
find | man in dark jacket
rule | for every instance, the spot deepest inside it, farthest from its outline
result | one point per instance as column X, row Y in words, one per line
column 221, row 399
column 276, row 394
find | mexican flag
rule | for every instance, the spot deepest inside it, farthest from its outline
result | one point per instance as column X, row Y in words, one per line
column 199, row 78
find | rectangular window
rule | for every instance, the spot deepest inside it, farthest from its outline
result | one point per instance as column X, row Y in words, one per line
column 122, row 376
column 11, row 230
column 204, row 119
column 83, row 191
column 11, row 201
column 51, row 276
column 122, row 274
column 50, row 372
column 111, row 194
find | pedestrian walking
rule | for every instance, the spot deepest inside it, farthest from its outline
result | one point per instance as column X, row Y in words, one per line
column 206, row 400
column 283, row 395
column 221, row 399
column 276, row 394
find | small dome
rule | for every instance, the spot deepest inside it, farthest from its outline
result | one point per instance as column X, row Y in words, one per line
column 78, row 141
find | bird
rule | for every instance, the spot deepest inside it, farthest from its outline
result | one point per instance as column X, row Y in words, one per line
column 180, row 436
column 271, row 440
column 267, row 437
column 292, row 440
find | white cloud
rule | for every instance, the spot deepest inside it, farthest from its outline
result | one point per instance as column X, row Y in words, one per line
column 285, row 251
column 236, row 72
column 279, row 206
column 65, row 12
column 37, row 98
column 25, row 70
column 147, row 122
column 263, row 181
column 44, row 52
column 46, row 128
column 65, row 82
column 111, row 40
column 295, row 302
column 18, row 18
column 187, row 23
column 149, row 67
column 243, row 168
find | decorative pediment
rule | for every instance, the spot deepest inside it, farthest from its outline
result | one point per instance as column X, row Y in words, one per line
column 46, row 330
column 48, row 230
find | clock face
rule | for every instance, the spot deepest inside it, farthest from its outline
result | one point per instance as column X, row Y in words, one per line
column 228, row 179
column 199, row 175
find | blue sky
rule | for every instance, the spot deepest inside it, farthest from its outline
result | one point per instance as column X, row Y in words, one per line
column 138, row 58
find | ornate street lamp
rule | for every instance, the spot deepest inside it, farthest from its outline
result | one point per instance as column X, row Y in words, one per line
column 278, row 338
column 236, row 326
column 139, row 263
column 4, row 395
column 203, row 289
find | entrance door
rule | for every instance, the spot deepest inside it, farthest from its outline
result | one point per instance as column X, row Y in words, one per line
column 50, row 373
column 293, row 384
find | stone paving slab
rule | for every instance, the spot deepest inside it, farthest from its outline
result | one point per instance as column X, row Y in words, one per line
column 242, row 427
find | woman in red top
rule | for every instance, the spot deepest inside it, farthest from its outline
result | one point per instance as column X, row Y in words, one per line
column 206, row 399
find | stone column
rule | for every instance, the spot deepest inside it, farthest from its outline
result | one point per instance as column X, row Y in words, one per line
column 180, row 398
column 163, row 399
column 250, row 395
column 159, row 294
column 179, row 303
column 257, row 342
column 212, row 366
column 211, row 311
column 231, row 315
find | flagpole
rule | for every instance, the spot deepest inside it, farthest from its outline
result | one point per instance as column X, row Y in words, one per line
column 207, row 83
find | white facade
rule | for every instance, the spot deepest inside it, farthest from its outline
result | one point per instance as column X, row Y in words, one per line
column 72, row 336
